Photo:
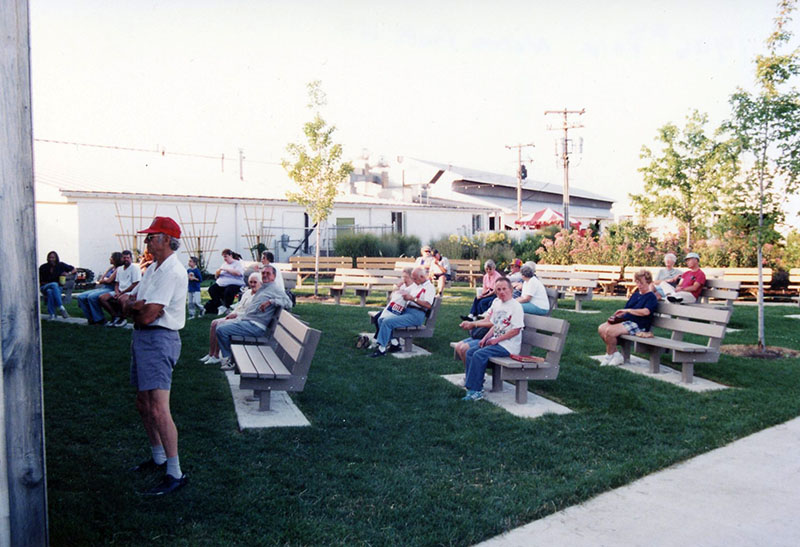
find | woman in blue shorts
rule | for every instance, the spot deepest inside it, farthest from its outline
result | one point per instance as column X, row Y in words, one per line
column 635, row 317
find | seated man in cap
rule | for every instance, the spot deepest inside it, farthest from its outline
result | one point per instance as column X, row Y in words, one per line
column 515, row 276
column 426, row 259
column 691, row 284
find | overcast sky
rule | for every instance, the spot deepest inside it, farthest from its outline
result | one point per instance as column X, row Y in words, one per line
column 452, row 82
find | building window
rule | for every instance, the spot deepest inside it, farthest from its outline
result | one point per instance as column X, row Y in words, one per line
column 344, row 225
column 477, row 223
column 492, row 226
column 397, row 223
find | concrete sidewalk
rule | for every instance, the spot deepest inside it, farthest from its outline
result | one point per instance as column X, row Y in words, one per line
column 743, row 494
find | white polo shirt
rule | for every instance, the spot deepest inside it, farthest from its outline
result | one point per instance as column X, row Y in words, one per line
column 166, row 284
column 128, row 276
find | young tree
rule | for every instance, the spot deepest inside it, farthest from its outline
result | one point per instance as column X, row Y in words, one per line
column 766, row 126
column 684, row 179
column 316, row 168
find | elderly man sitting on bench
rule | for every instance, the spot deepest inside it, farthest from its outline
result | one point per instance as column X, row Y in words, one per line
column 419, row 298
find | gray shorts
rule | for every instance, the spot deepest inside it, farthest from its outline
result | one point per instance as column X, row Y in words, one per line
column 154, row 354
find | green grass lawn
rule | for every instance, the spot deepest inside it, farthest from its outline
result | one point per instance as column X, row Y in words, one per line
column 393, row 456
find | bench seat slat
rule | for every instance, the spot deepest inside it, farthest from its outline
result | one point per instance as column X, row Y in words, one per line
column 668, row 344
column 508, row 362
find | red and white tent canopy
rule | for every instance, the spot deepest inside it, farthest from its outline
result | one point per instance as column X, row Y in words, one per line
column 545, row 217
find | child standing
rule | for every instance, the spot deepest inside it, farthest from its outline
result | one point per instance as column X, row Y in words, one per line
column 193, row 297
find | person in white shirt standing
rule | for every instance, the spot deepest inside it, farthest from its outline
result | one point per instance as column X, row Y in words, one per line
column 506, row 321
column 158, row 313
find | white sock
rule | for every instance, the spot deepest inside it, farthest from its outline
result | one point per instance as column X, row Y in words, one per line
column 174, row 467
column 382, row 349
column 159, row 456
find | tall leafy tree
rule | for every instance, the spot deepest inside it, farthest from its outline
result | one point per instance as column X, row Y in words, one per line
column 684, row 176
column 766, row 126
column 317, row 168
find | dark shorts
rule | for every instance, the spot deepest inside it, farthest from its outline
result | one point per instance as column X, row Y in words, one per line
column 632, row 327
column 154, row 354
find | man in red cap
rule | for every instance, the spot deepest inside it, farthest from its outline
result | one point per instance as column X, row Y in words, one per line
column 159, row 312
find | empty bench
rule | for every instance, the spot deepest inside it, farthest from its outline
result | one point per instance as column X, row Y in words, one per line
column 544, row 333
column 363, row 282
column 304, row 266
column 579, row 284
column 678, row 320
column 608, row 277
column 407, row 334
column 278, row 362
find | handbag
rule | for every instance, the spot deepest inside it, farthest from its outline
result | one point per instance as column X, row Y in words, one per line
column 614, row 319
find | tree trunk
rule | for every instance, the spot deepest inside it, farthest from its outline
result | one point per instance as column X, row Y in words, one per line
column 316, row 265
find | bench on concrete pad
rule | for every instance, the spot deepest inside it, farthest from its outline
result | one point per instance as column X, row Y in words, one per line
column 304, row 266
column 362, row 282
column 679, row 319
column 544, row 333
column 407, row 334
column 277, row 362
column 579, row 284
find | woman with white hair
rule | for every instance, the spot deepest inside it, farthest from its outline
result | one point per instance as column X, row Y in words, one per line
column 534, row 296
column 670, row 275
column 254, row 283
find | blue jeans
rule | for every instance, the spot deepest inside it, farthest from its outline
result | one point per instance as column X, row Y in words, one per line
column 477, row 359
column 533, row 309
column 480, row 305
column 89, row 303
column 410, row 318
column 52, row 294
column 235, row 327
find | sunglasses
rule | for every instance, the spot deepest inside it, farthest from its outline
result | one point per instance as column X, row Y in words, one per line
column 150, row 237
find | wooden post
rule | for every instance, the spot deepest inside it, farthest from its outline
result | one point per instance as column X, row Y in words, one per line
column 20, row 342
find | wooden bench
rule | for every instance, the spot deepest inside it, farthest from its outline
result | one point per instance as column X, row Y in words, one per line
column 704, row 321
column 794, row 282
column 748, row 279
column 362, row 282
column 379, row 262
column 608, row 277
column 468, row 269
column 278, row 362
column 629, row 284
column 723, row 293
column 304, row 266
column 579, row 284
column 545, row 333
column 421, row 331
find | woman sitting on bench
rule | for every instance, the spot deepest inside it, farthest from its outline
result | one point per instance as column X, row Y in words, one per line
column 254, row 283
column 484, row 301
column 635, row 317
column 534, row 296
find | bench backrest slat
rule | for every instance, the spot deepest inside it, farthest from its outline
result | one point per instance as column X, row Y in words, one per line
column 291, row 345
column 690, row 327
column 700, row 320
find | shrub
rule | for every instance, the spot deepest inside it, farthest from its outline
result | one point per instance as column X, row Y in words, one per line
column 355, row 245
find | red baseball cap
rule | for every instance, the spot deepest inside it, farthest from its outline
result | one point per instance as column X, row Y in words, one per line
column 163, row 225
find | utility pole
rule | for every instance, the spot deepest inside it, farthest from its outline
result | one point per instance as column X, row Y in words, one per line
column 565, row 154
column 519, row 148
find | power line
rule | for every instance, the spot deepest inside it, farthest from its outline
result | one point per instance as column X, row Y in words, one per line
column 565, row 153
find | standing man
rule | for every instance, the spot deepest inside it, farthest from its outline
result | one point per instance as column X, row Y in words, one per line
column 158, row 314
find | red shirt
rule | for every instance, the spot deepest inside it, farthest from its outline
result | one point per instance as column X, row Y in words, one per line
column 689, row 277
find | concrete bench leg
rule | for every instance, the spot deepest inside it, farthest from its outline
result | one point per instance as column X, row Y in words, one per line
column 522, row 391
column 408, row 345
column 578, row 303
column 263, row 399
column 497, row 379
column 655, row 362
column 687, row 373
column 363, row 299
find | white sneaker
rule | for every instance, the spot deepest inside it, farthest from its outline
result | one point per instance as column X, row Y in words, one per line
column 606, row 360
column 205, row 358
column 616, row 360
column 226, row 364
column 222, row 310
column 213, row 360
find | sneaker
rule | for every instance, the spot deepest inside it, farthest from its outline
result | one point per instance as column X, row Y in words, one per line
column 148, row 466
column 675, row 299
column 121, row 322
column 606, row 360
column 394, row 348
column 473, row 395
column 469, row 317
column 227, row 364
column 213, row 360
column 616, row 360
column 205, row 358
column 378, row 352
column 63, row 311
column 222, row 310
column 110, row 323
column 168, row 485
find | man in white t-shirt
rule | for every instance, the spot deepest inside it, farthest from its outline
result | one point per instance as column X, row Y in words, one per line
column 420, row 297
column 505, row 320
column 125, row 283
column 159, row 312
